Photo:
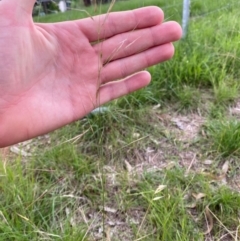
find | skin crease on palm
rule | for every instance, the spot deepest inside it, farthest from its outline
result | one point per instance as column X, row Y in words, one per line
column 53, row 74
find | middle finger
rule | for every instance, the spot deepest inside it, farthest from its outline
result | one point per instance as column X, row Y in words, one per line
column 130, row 43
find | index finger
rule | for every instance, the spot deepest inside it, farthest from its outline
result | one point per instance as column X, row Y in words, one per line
column 108, row 25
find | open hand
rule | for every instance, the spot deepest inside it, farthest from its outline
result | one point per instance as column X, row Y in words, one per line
column 54, row 74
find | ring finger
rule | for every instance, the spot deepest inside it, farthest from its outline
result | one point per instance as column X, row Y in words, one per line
column 122, row 68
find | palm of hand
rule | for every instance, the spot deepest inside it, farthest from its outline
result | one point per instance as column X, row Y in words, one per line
column 52, row 74
column 59, row 77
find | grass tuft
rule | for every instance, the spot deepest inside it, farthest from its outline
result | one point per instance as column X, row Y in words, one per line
column 224, row 135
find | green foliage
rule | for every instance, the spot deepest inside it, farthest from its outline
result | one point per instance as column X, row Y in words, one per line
column 225, row 92
column 171, row 210
column 224, row 135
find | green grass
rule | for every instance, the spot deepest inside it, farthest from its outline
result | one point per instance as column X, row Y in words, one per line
column 224, row 136
column 152, row 167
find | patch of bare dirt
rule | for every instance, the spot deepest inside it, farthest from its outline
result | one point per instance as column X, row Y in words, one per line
column 4, row 152
column 235, row 110
column 116, row 223
column 187, row 126
column 26, row 149
column 175, row 148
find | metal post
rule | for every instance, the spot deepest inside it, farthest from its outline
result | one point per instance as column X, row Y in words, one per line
column 186, row 15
